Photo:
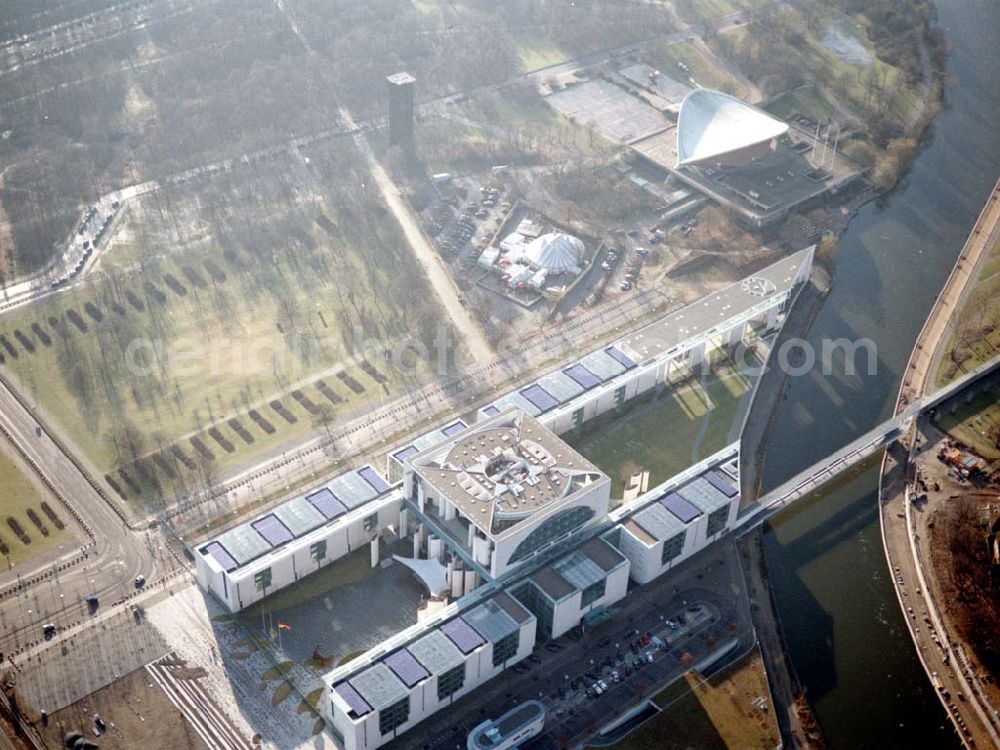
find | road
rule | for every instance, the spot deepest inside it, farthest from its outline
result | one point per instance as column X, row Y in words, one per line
column 115, row 554
column 437, row 272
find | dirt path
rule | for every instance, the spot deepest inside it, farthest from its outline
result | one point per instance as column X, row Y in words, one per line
column 437, row 273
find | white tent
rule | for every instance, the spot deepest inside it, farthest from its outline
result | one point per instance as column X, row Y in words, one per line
column 555, row 252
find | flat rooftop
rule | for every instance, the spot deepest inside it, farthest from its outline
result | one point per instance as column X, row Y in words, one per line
column 504, row 470
column 322, row 506
column 714, row 310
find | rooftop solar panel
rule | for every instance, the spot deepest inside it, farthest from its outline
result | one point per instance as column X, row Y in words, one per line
column 273, row 530
column 602, row 365
column 703, row 495
column 406, row 667
column 244, row 543
column 583, row 376
column 325, row 502
column 491, row 621
column 620, row 357
column 436, row 652
column 539, row 397
column 374, row 479
column 352, row 489
column 462, row 635
column 560, row 386
column 722, row 485
column 491, row 410
column 454, row 428
column 299, row 516
column 681, row 508
column 353, row 698
column 410, row 450
column 218, row 553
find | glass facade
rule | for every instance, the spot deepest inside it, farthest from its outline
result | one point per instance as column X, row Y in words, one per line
column 619, row 396
column 539, row 605
column 557, row 526
column 578, row 417
column 593, row 592
column 393, row 716
column 451, row 681
column 716, row 521
column 672, row 548
column 505, row 648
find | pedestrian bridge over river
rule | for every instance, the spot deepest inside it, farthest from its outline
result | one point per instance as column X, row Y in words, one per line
column 856, row 451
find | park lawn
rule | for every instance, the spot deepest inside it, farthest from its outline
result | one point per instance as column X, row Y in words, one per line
column 991, row 264
column 536, row 52
column 659, row 435
column 713, row 713
column 979, row 312
column 806, row 100
column 21, row 493
column 973, row 422
column 703, row 71
column 317, row 273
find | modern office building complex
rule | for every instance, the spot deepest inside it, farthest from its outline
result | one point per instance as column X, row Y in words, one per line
column 506, row 489
column 256, row 558
column 371, row 706
column 518, row 529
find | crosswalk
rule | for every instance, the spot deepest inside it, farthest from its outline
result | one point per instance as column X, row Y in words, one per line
column 190, row 698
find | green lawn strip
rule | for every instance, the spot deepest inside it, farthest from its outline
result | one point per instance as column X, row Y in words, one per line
column 717, row 713
column 658, row 434
column 21, row 494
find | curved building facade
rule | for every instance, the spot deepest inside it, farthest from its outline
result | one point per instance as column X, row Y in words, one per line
column 716, row 128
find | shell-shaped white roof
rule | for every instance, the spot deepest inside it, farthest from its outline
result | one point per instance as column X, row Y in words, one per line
column 555, row 252
column 711, row 123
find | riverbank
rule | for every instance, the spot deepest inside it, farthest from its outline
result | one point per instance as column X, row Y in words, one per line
column 943, row 655
column 796, row 721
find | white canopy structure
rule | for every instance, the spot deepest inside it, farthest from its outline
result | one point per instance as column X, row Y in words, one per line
column 712, row 124
column 555, row 252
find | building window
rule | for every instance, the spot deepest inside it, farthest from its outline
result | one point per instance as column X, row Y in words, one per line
column 371, row 523
column 393, row 716
column 717, row 521
column 619, row 395
column 672, row 548
column 540, row 606
column 262, row 580
column 557, row 526
column 593, row 592
column 451, row 682
column 317, row 551
column 578, row 417
column 505, row 648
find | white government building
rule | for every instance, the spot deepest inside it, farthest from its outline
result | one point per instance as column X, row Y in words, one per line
column 520, row 519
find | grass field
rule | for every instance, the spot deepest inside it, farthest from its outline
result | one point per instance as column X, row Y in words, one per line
column 221, row 298
column 976, row 424
column 975, row 336
column 664, row 435
column 22, row 493
column 702, row 70
column 856, row 87
column 806, row 101
column 717, row 713
column 537, row 52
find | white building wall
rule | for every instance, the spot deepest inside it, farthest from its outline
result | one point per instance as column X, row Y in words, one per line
column 292, row 561
column 363, row 733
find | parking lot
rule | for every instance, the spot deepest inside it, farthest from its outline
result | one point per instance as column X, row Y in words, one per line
column 706, row 603
column 465, row 216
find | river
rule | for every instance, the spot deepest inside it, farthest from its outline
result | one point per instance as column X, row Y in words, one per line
column 845, row 634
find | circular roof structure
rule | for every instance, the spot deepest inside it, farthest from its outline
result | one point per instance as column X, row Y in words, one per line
column 711, row 124
column 555, row 252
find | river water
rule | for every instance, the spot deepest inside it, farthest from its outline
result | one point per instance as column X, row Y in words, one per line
column 845, row 634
